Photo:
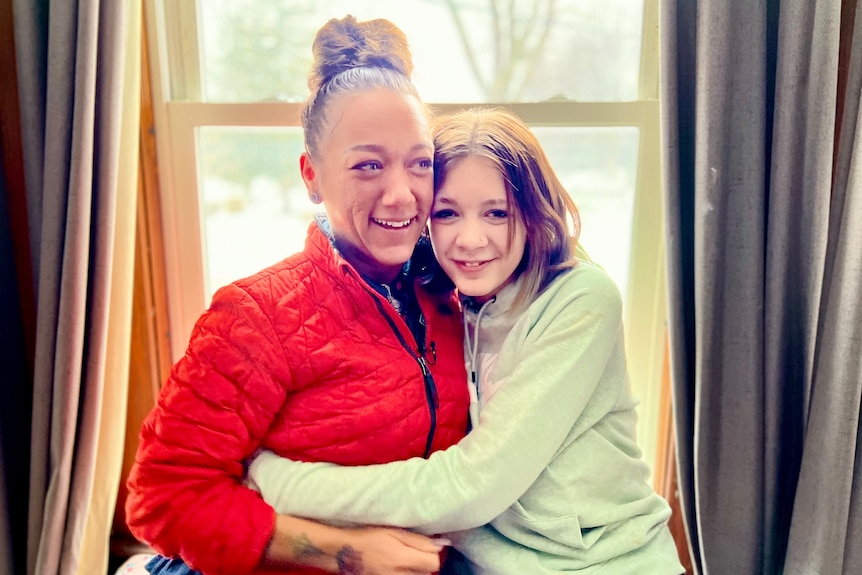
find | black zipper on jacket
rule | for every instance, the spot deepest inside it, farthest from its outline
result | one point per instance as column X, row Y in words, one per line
column 430, row 387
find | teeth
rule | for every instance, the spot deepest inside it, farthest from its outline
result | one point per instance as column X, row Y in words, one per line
column 472, row 264
column 393, row 225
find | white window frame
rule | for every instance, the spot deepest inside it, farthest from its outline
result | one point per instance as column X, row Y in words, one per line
column 178, row 113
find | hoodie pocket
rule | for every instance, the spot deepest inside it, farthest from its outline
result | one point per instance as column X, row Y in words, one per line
column 547, row 532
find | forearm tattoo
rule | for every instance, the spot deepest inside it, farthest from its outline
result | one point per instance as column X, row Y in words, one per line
column 349, row 561
column 303, row 548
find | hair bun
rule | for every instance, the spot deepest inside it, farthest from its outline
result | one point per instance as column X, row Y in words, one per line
column 342, row 44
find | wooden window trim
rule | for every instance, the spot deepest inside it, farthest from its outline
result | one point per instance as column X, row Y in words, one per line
column 665, row 464
column 150, row 358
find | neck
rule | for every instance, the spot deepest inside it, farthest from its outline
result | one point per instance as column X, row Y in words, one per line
column 369, row 268
column 379, row 275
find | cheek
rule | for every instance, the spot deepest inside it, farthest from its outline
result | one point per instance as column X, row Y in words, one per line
column 425, row 193
column 439, row 238
column 352, row 199
column 516, row 249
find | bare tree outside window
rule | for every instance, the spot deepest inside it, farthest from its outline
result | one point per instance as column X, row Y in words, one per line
column 550, row 49
column 511, row 51
column 465, row 51
column 257, row 50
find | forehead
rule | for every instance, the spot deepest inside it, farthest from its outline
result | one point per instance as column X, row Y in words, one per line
column 473, row 177
column 377, row 118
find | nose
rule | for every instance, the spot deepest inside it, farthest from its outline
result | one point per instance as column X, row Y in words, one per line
column 399, row 189
column 471, row 236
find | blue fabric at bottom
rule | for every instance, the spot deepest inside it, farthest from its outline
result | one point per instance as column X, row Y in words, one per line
column 455, row 563
column 159, row 565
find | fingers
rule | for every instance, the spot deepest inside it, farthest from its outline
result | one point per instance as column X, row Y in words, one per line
column 441, row 541
column 421, row 542
column 407, row 560
column 423, row 563
column 393, row 551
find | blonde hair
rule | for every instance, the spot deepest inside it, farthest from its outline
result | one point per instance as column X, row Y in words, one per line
column 534, row 192
column 352, row 56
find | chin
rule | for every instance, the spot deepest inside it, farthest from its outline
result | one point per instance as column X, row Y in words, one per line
column 394, row 258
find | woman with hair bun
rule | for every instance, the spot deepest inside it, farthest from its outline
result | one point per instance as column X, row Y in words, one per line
column 342, row 353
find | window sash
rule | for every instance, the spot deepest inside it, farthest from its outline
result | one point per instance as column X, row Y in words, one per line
column 172, row 29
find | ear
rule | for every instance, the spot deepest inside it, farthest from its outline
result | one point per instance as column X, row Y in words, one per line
column 309, row 176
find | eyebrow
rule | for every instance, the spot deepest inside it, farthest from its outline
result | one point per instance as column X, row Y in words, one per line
column 495, row 202
column 382, row 150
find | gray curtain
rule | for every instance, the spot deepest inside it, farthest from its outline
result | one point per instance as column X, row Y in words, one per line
column 70, row 70
column 763, row 239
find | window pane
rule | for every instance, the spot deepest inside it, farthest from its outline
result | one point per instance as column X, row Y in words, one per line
column 255, row 210
column 254, row 206
column 525, row 51
column 598, row 167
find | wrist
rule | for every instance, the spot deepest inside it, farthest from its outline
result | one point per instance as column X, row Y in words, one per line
column 299, row 542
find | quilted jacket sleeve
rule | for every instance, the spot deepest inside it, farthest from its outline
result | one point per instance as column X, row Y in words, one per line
column 554, row 365
column 186, row 495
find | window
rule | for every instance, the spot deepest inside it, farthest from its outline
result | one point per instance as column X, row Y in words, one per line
column 230, row 77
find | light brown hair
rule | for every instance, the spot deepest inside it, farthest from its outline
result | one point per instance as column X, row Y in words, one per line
column 353, row 56
column 533, row 191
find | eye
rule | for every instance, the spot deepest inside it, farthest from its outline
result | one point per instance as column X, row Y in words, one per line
column 422, row 165
column 371, row 166
column 498, row 214
column 444, row 214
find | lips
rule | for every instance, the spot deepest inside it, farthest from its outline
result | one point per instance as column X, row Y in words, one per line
column 471, row 265
column 393, row 224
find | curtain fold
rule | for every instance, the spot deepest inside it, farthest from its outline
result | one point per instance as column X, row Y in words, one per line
column 70, row 63
column 31, row 49
column 797, row 227
column 677, row 110
column 830, row 479
column 112, row 429
column 765, row 333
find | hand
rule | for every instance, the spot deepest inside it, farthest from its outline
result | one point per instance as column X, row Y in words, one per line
column 298, row 542
column 389, row 551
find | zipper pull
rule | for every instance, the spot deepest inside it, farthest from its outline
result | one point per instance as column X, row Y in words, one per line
column 429, row 383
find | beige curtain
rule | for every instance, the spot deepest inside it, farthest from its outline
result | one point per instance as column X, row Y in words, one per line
column 78, row 87
column 111, row 434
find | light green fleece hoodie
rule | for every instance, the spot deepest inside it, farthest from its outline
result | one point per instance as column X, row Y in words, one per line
column 550, row 480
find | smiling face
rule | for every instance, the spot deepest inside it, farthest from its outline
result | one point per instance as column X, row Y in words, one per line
column 470, row 222
column 374, row 174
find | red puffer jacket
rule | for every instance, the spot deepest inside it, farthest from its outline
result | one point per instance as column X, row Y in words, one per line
column 303, row 358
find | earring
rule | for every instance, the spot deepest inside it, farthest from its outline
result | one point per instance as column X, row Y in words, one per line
column 315, row 197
